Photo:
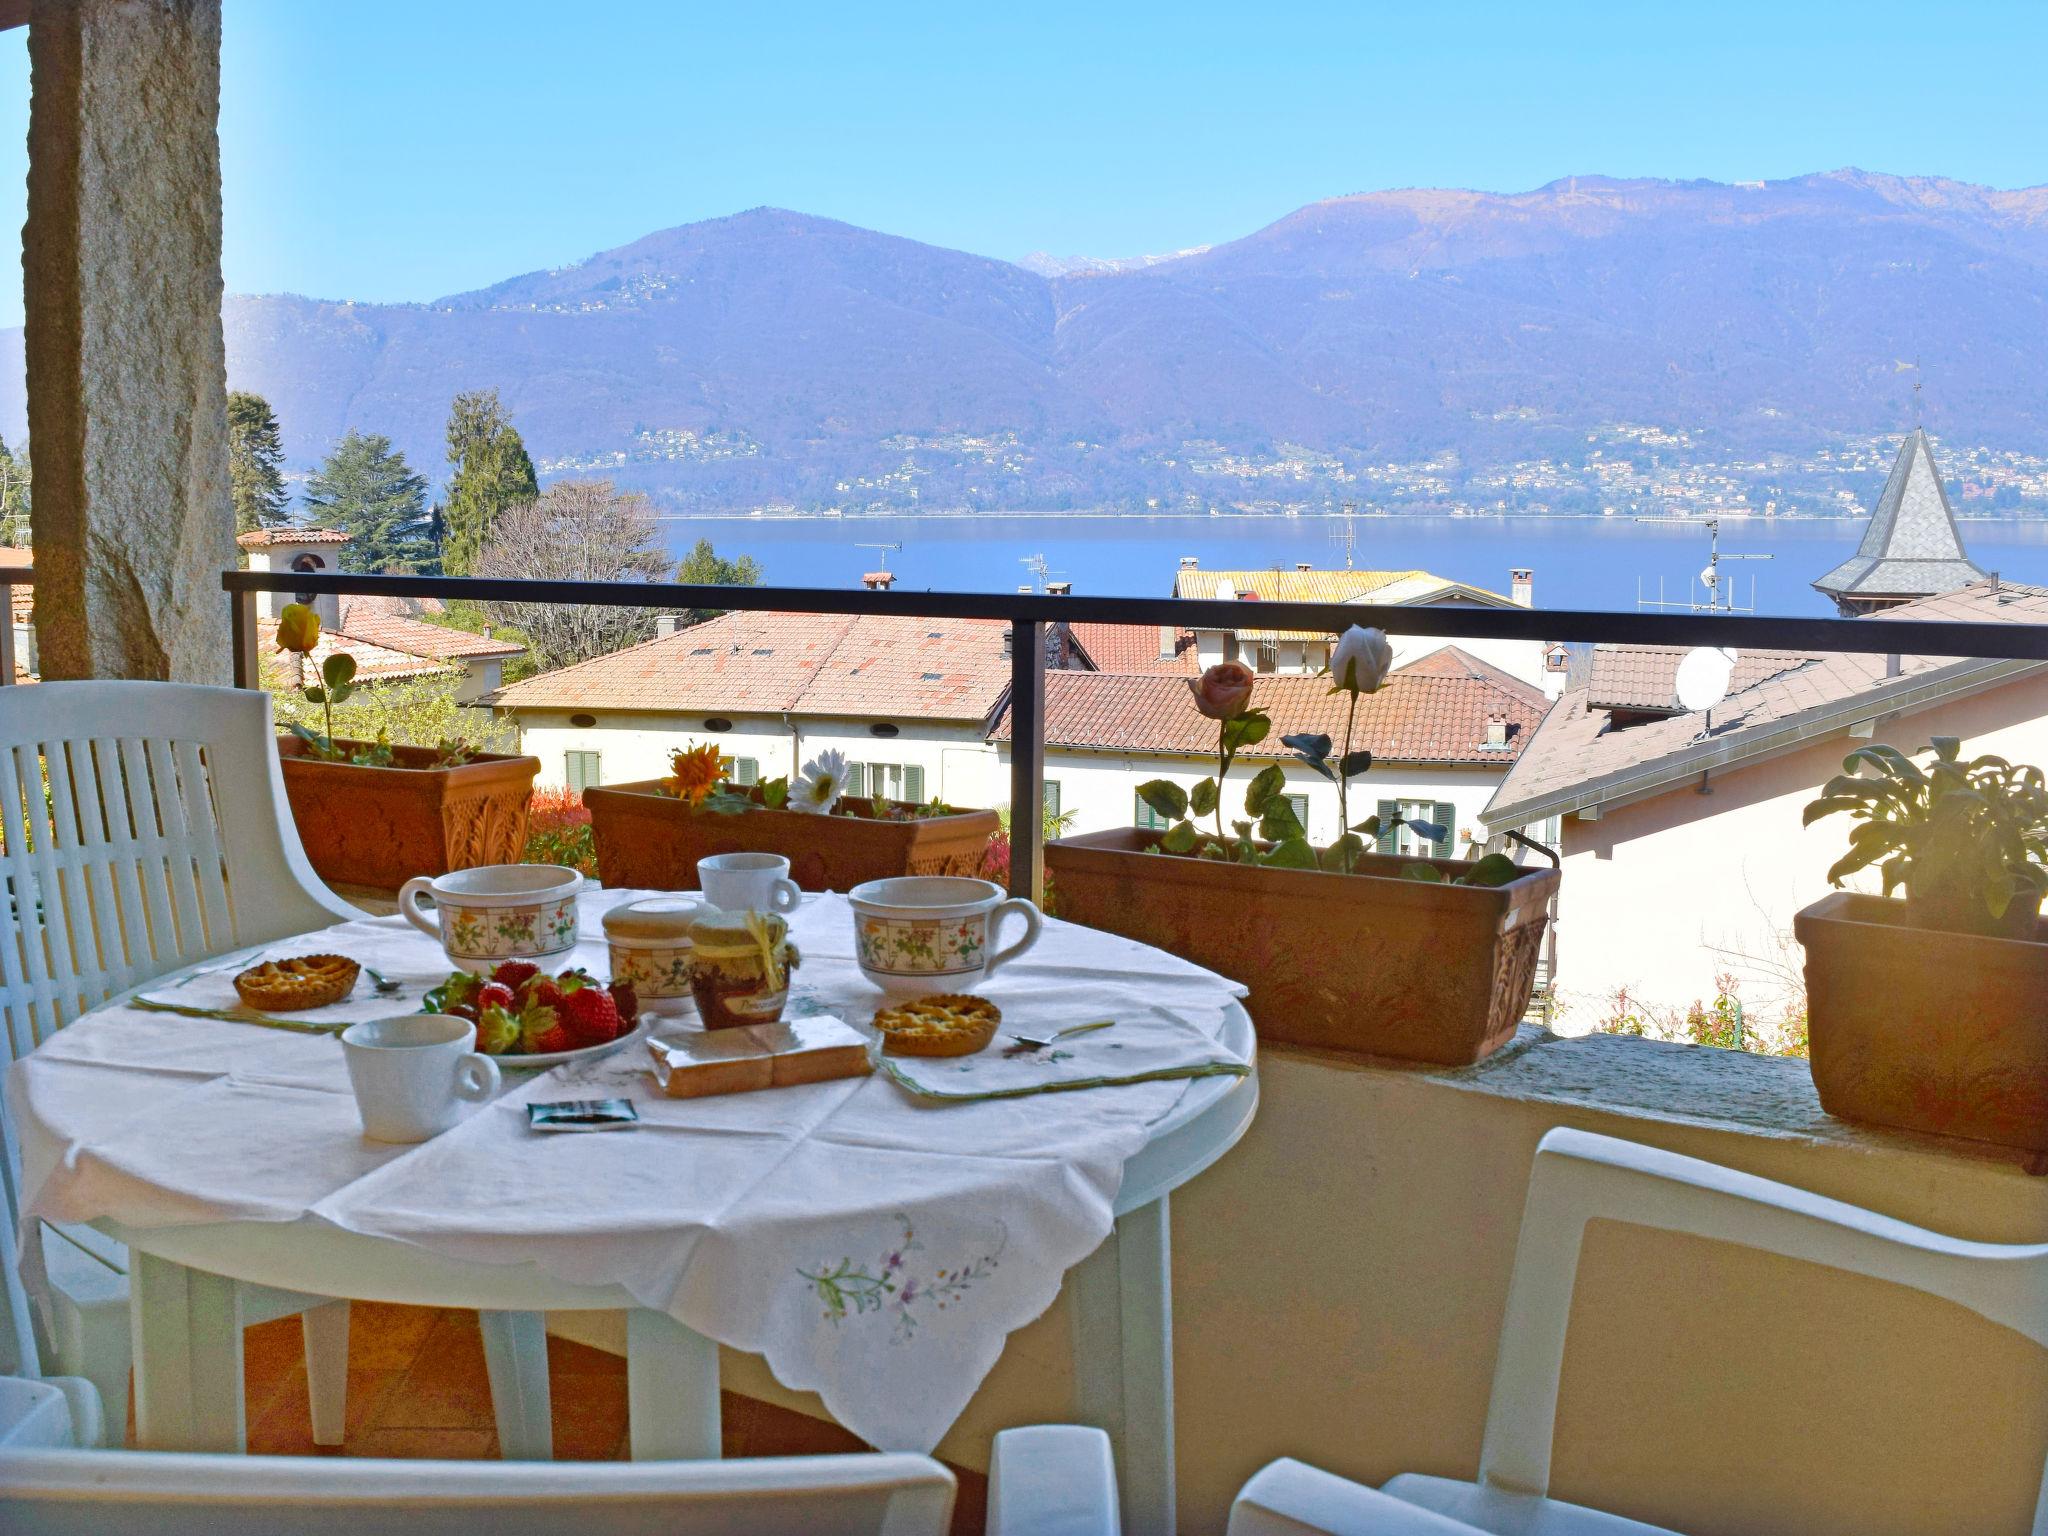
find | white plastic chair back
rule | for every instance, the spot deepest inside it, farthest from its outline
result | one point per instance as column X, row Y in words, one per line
column 143, row 826
column 1579, row 1176
column 90, row 1493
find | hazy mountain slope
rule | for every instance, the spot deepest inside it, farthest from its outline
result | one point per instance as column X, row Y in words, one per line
column 775, row 356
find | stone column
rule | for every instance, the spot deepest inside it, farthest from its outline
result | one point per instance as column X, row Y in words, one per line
column 127, row 391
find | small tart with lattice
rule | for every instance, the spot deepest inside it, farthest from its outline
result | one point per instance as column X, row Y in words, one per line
column 944, row 1024
column 306, row 981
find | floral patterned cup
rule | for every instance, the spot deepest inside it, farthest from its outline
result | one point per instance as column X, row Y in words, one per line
column 497, row 911
column 932, row 933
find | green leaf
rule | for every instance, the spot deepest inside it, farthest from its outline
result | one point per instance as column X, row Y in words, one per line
column 1181, row 837
column 1278, row 823
column 1269, row 781
column 1827, row 806
column 314, row 693
column 338, row 670
column 1352, row 764
column 1312, row 747
column 1202, row 799
column 1947, row 748
column 1290, row 853
column 1345, row 852
column 1424, row 872
column 1493, row 870
column 1370, row 826
column 1247, row 730
column 1165, row 797
column 775, row 793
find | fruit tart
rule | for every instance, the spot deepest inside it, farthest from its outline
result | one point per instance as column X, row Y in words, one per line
column 944, row 1024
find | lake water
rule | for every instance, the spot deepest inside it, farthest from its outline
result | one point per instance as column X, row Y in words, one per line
column 1587, row 563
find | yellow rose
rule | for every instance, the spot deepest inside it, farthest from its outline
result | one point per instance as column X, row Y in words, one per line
column 298, row 628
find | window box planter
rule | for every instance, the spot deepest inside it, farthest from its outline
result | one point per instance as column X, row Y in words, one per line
column 378, row 827
column 653, row 841
column 1364, row 962
column 1926, row 1029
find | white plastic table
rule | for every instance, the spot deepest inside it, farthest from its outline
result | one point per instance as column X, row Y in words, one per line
column 188, row 1332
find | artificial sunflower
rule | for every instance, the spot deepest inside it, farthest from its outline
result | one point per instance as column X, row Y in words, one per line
column 695, row 772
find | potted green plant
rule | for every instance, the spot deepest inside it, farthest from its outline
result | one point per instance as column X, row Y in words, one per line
column 1930, row 1012
column 652, row 833
column 1423, row 959
column 373, row 814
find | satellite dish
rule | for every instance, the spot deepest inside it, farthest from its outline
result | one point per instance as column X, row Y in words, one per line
column 1703, row 676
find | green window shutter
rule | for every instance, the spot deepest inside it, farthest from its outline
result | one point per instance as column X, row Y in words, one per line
column 1052, row 797
column 856, row 782
column 1148, row 820
column 746, row 770
column 1445, row 816
column 913, row 783
column 1389, row 809
column 1299, row 804
column 580, row 770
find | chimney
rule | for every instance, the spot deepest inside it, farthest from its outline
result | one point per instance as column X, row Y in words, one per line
column 1496, row 732
column 1303, row 565
column 1891, row 665
column 487, row 629
column 879, row 581
column 1189, row 562
column 1059, row 588
column 1167, row 642
column 1522, row 587
column 664, row 623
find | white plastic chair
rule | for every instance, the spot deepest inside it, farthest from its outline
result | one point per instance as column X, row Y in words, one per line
column 143, row 827
column 1050, row 1481
column 35, row 1411
column 1578, row 1177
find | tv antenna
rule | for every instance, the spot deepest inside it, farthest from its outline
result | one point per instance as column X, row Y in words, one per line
column 884, row 548
column 1039, row 570
column 1345, row 537
column 1720, row 590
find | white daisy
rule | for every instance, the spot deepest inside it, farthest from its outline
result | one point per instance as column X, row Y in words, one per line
column 823, row 781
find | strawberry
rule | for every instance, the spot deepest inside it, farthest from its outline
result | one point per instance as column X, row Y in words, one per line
column 591, row 1014
column 556, row 1039
column 542, row 992
column 514, row 973
column 628, row 1002
column 494, row 994
column 537, row 1023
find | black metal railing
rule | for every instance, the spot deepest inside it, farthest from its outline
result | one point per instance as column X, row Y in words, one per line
column 1029, row 615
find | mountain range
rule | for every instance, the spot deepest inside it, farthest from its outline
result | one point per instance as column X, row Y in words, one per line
column 772, row 357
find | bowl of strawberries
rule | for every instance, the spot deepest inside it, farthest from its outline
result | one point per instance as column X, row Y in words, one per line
column 526, row 1017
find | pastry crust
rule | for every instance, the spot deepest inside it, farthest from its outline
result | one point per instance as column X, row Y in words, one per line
column 944, row 1024
column 305, row 981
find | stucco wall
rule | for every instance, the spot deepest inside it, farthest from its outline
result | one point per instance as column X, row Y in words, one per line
column 1660, row 895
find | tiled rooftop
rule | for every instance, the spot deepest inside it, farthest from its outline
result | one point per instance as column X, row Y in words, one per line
column 416, row 638
column 1134, row 648
column 265, row 538
column 1646, row 676
column 372, row 660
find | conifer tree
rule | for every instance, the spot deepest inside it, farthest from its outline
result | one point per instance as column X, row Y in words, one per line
column 366, row 489
column 490, row 471
column 255, row 457
column 14, row 485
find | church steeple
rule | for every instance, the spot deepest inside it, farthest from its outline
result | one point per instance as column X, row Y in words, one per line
column 1911, row 548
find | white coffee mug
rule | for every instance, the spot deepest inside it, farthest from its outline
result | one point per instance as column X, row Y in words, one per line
column 412, row 1075
column 748, row 882
column 934, row 933
column 496, row 911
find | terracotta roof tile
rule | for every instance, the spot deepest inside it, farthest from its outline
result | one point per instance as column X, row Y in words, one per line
column 1286, row 586
column 1435, row 711
column 264, row 538
column 1134, row 648
column 416, row 638
column 1646, row 676
column 373, row 662
column 821, row 664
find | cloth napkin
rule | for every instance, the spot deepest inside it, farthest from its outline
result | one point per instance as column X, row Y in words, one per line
column 875, row 1246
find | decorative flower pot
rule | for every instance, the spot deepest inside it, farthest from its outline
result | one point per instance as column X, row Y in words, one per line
column 1926, row 1029
column 1361, row 962
column 378, row 827
column 654, row 841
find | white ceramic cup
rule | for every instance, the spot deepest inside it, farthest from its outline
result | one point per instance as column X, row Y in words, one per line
column 748, row 882
column 496, row 911
column 934, row 933
column 412, row 1075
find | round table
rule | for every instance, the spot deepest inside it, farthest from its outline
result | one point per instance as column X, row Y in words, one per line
column 191, row 1299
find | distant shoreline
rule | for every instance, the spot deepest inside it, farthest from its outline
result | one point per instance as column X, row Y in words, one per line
column 964, row 514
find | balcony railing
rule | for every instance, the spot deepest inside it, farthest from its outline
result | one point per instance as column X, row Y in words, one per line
column 1029, row 616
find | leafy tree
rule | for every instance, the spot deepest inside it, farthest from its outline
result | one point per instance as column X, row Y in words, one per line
column 576, row 530
column 366, row 489
column 491, row 471
column 255, row 454
column 703, row 567
column 14, row 510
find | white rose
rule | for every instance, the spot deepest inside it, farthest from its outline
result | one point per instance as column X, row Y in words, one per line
column 1361, row 660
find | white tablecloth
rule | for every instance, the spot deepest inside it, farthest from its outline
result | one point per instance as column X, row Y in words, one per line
column 873, row 1247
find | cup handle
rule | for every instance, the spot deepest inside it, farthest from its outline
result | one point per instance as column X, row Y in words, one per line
column 785, row 896
column 1033, row 924
column 410, row 909
column 476, row 1077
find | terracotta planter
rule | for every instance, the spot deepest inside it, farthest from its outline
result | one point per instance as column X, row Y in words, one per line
column 1362, row 962
column 379, row 827
column 1925, row 1029
column 654, row 841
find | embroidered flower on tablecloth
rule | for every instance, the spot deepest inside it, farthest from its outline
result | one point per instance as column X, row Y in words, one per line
column 889, row 1288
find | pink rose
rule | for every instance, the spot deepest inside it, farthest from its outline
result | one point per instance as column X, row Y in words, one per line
column 1224, row 691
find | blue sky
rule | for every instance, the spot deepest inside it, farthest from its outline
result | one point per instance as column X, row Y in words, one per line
column 379, row 150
